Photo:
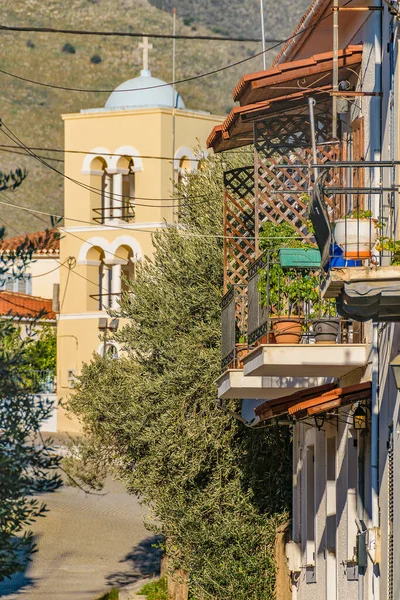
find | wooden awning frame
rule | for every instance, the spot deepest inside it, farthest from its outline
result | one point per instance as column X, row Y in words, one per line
column 313, row 401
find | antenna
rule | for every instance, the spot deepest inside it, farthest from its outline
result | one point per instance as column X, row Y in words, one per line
column 173, row 110
column 263, row 34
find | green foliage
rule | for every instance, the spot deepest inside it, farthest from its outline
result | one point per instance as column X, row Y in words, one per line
column 27, row 466
column 41, row 352
column 155, row 590
column 112, row 595
column 12, row 180
column 360, row 214
column 95, row 59
column 287, row 288
column 217, row 489
column 392, row 246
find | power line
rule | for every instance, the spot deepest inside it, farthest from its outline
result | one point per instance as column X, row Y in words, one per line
column 122, row 228
column 9, row 151
column 9, row 148
column 163, row 36
column 182, row 199
column 13, row 137
column 184, row 80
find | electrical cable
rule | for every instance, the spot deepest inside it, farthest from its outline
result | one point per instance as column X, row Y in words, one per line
column 90, row 152
column 13, row 204
column 13, row 137
column 121, row 227
column 163, row 36
column 183, row 80
column 2, row 149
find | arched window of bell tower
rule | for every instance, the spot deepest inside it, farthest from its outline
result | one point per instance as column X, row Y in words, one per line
column 95, row 165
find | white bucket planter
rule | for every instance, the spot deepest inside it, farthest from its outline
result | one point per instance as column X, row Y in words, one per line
column 356, row 237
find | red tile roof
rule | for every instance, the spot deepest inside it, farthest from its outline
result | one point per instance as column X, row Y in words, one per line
column 25, row 306
column 256, row 87
column 276, row 89
column 312, row 401
column 40, row 242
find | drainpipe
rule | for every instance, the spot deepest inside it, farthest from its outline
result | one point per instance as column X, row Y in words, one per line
column 361, row 504
column 375, row 450
column 375, row 356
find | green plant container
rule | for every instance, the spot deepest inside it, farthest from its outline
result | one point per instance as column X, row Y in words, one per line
column 303, row 258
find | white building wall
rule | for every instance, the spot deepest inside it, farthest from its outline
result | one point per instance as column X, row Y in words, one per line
column 45, row 272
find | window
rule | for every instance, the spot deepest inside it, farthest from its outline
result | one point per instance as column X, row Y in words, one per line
column 22, row 285
column 112, row 350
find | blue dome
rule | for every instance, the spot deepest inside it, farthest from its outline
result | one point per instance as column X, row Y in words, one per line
column 137, row 93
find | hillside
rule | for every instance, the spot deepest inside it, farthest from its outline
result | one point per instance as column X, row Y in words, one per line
column 238, row 17
column 34, row 112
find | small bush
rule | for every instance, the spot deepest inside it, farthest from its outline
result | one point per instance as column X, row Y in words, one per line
column 188, row 21
column 30, row 44
column 155, row 590
column 113, row 595
column 69, row 48
column 95, row 59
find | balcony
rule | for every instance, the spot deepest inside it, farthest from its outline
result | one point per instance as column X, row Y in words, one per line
column 126, row 213
column 106, row 300
column 295, row 338
column 355, row 231
column 42, row 382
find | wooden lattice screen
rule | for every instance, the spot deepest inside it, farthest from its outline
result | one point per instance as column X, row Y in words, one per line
column 282, row 141
column 274, row 185
column 239, row 243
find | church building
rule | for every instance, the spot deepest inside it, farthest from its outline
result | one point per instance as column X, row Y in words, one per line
column 116, row 194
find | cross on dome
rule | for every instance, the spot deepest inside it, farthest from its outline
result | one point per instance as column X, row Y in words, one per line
column 145, row 46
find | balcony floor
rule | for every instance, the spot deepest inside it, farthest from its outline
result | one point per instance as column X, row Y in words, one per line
column 305, row 360
column 234, row 384
column 339, row 276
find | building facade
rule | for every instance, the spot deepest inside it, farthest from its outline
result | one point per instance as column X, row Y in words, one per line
column 324, row 124
column 118, row 191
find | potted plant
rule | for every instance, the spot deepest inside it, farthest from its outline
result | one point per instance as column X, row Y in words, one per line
column 326, row 325
column 281, row 288
column 392, row 246
column 356, row 234
column 241, row 350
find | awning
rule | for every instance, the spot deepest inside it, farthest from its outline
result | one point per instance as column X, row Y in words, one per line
column 290, row 76
column 313, row 401
column 283, row 87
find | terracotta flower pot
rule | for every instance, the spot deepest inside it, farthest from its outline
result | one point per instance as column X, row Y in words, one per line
column 267, row 338
column 326, row 330
column 242, row 350
column 287, row 330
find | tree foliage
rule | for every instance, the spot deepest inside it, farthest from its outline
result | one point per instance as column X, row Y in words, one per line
column 217, row 489
column 27, row 465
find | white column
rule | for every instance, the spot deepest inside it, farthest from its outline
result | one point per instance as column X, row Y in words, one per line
column 115, row 285
column 107, row 196
column 118, row 199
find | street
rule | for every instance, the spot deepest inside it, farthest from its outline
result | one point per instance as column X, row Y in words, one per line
column 86, row 545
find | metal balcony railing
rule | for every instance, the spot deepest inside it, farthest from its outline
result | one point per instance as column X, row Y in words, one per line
column 104, row 300
column 42, row 381
column 352, row 212
column 126, row 212
column 286, row 300
column 282, row 303
column 234, row 320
